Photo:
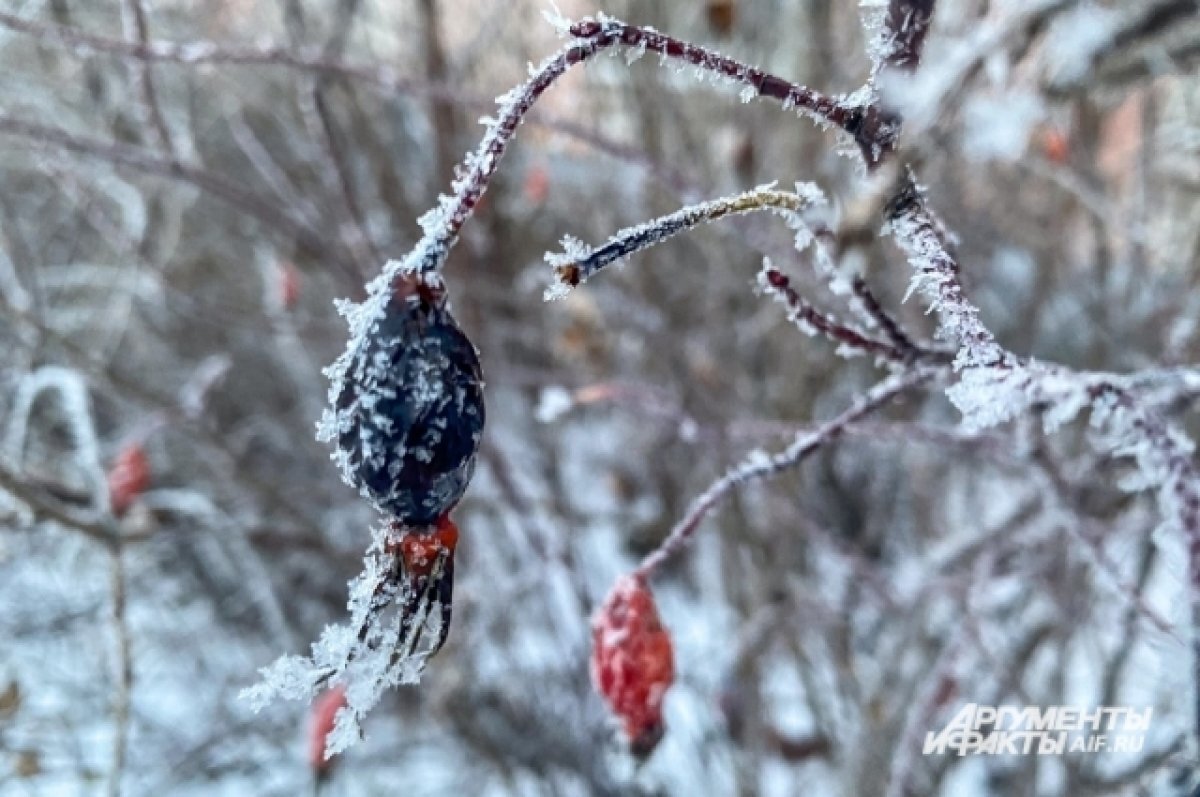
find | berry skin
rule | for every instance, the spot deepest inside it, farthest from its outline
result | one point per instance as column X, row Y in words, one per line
column 633, row 662
column 411, row 411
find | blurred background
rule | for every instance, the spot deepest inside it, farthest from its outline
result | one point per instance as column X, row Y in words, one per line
column 173, row 231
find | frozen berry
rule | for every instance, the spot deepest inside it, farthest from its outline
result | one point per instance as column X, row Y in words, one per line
column 410, row 412
column 128, row 477
column 321, row 723
column 633, row 663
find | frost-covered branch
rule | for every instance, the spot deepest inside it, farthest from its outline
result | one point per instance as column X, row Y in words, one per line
column 590, row 36
column 995, row 386
column 866, row 125
column 137, row 31
column 920, row 235
column 579, row 262
column 759, row 464
column 777, row 284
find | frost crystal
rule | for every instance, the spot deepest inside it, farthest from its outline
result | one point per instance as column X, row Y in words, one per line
column 377, row 650
column 554, row 403
column 577, row 262
column 560, row 23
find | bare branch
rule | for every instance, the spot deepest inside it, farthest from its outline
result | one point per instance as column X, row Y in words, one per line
column 123, row 682
column 761, row 465
column 137, row 30
column 579, row 263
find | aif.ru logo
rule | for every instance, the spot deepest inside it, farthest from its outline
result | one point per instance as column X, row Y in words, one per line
column 1051, row 730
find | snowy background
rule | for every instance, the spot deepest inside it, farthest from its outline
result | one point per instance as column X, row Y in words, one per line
column 187, row 187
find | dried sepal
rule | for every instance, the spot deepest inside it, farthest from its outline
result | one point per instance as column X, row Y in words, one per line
column 400, row 609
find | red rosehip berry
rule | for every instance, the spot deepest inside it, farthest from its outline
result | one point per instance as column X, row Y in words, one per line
column 128, row 477
column 537, row 185
column 633, row 663
column 321, row 722
column 288, row 285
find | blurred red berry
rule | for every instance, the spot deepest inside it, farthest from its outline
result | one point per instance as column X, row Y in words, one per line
column 128, row 477
column 537, row 184
column 632, row 661
column 288, row 285
column 1055, row 145
column 321, row 721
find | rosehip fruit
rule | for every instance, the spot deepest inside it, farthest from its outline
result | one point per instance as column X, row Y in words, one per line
column 633, row 663
column 128, row 477
column 410, row 413
column 321, row 722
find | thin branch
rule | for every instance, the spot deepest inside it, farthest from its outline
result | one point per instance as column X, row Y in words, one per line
column 761, row 465
column 137, row 30
column 123, row 686
column 920, row 235
column 800, row 312
column 886, row 322
column 579, row 262
column 90, row 524
column 206, row 52
column 355, row 232
column 592, row 36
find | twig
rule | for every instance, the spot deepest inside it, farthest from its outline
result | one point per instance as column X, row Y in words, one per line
column 872, row 129
column 123, row 687
column 761, row 465
column 206, row 52
column 882, row 317
column 592, row 36
column 137, row 30
column 800, row 312
column 90, row 525
column 579, row 263
column 907, row 25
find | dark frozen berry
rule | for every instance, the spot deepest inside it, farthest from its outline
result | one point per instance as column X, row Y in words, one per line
column 410, row 410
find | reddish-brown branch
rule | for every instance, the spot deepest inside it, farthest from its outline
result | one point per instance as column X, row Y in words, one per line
column 776, row 282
